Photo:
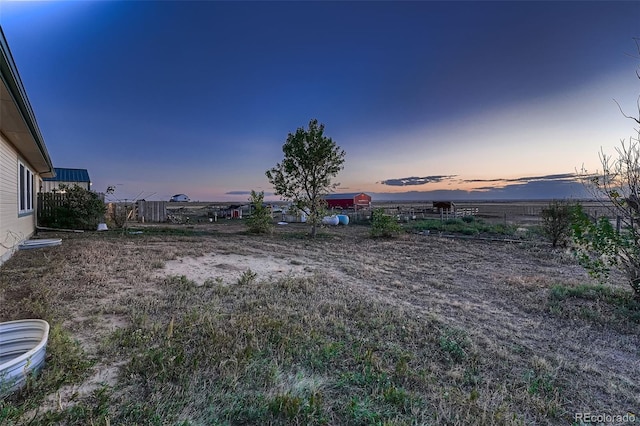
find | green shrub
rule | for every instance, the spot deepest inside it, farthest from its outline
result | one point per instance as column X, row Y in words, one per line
column 260, row 221
column 597, row 245
column 556, row 222
column 383, row 225
column 79, row 209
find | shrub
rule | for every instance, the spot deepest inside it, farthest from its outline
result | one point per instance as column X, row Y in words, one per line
column 599, row 247
column 556, row 222
column 260, row 221
column 383, row 225
column 80, row 209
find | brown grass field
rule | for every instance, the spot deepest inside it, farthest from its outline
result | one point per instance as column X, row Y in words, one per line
column 209, row 325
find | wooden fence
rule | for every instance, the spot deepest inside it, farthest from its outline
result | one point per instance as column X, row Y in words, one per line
column 152, row 211
column 47, row 204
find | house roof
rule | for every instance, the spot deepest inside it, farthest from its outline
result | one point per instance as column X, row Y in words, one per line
column 348, row 195
column 69, row 175
column 17, row 120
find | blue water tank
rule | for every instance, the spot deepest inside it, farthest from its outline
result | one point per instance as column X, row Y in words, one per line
column 344, row 219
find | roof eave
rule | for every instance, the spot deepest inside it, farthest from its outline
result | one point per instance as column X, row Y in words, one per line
column 11, row 79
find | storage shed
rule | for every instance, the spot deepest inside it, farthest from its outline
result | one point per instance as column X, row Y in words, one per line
column 444, row 206
column 68, row 177
column 348, row 201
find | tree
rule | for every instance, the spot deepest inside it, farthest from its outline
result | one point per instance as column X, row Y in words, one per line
column 260, row 221
column 598, row 245
column 311, row 161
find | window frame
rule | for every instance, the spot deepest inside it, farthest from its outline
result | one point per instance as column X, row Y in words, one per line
column 26, row 179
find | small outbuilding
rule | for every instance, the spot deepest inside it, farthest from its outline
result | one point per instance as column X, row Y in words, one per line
column 179, row 198
column 444, row 206
column 353, row 200
column 67, row 177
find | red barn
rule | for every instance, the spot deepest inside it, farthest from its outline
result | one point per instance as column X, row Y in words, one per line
column 348, row 201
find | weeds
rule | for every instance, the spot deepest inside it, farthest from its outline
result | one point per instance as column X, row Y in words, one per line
column 247, row 277
column 599, row 303
column 467, row 225
column 318, row 350
column 454, row 343
column 277, row 353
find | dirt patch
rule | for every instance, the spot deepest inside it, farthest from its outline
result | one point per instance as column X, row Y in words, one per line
column 228, row 268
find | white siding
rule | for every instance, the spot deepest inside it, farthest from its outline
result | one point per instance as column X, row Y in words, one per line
column 13, row 229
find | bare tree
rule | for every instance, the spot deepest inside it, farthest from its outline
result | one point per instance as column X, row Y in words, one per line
column 618, row 185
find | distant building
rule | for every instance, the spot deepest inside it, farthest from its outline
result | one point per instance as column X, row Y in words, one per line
column 351, row 200
column 444, row 206
column 68, row 177
column 179, row 198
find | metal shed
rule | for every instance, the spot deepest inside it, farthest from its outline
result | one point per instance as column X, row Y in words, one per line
column 69, row 177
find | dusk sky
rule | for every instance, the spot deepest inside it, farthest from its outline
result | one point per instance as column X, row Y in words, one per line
column 432, row 100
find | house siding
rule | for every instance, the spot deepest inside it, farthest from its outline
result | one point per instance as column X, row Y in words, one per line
column 13, row 228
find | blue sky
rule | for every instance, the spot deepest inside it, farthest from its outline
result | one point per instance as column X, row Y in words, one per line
column 429, row 99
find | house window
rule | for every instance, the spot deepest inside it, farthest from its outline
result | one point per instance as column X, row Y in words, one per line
column 25, row 189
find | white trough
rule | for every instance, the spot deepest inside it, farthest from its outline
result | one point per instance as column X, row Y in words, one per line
column 23, row 346
column 330, row 220
column 44, row 242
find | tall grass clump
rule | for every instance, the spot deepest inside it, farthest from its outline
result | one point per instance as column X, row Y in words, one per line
column 599, row 303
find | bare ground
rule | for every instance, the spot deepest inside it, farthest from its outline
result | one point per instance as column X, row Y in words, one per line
column 498, row 293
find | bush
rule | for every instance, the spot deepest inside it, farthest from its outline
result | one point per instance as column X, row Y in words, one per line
column 599, row 247
column 260, row 221
column 383, row 225
column 80, row 209
column 556, row 222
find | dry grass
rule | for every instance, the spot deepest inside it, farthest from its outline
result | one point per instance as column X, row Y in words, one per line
column 417, row 330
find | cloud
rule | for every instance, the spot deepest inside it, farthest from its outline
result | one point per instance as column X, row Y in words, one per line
column 245, row 193
column 545, row 178
column 414, row 180
column 482, row 180
column 556, row 177
column 504, row 183
column 533, row 190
